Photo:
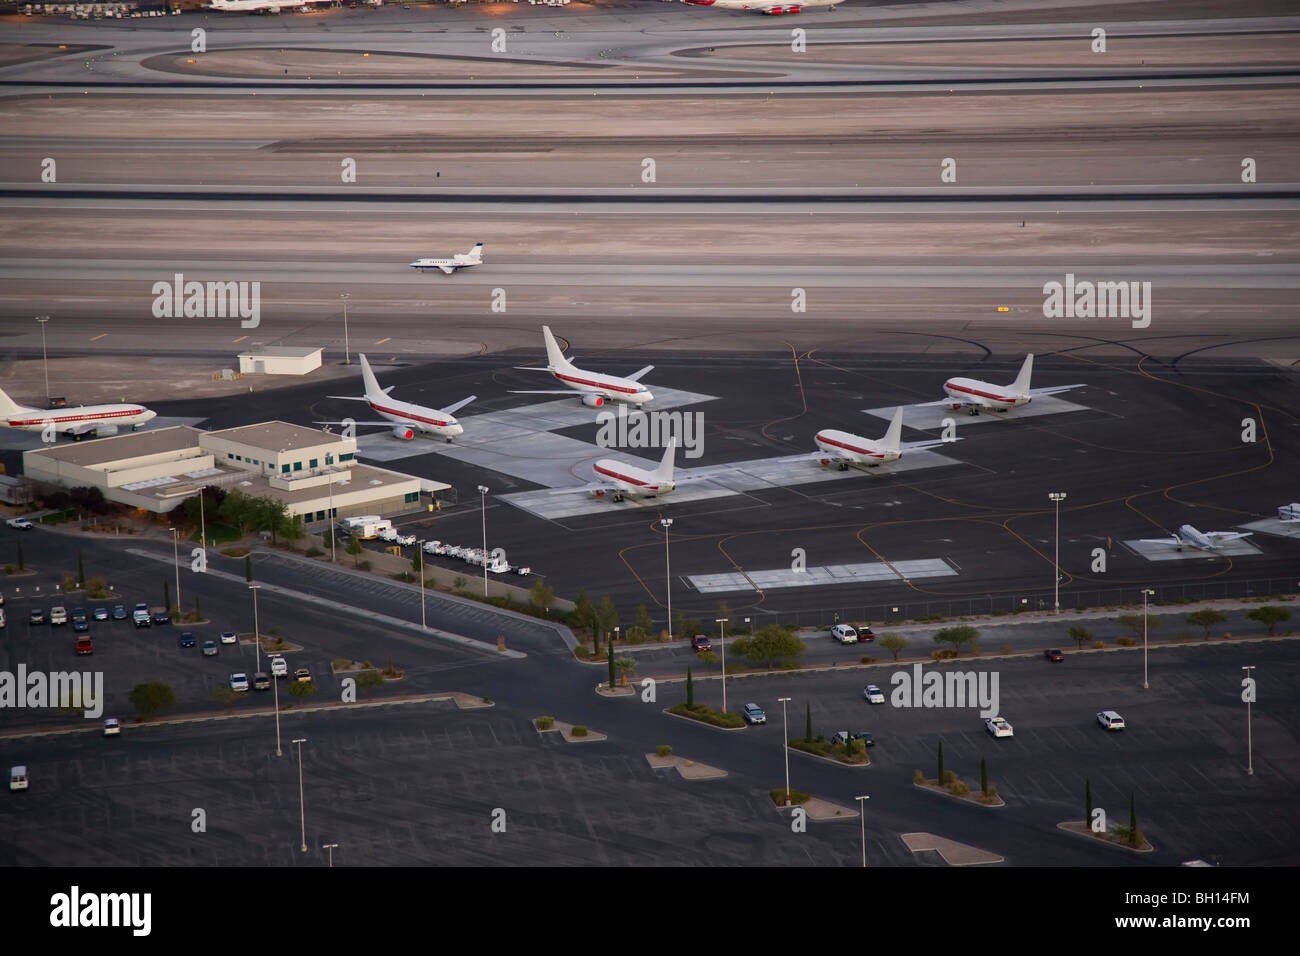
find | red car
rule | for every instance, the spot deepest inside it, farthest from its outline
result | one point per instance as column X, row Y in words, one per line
column 701, row 643
column 1054, row 655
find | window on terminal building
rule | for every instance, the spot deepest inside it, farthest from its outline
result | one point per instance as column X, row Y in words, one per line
column 314, row 463
column 412, row 496
column 284, row 469
column 347, row 456
column 297, row 466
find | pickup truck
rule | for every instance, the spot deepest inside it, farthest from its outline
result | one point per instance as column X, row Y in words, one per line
column 141, row 616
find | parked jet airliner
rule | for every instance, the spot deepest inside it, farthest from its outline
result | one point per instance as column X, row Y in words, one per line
column 974, row 394
column 595, row 388
column 99, row 420
column 1189, row 537
column 760, row 6
column 848, row 449
column 410, row 419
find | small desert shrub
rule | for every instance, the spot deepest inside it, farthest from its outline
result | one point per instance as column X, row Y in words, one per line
column 545, row 723
column 579, row 731
column 663, row 750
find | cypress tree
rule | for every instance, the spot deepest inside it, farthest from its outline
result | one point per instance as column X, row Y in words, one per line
column 1087, row 800
column 690, row 688
column 81, row 570
column 807, row 730
column 248, row 567
column 609, row 646
column 984, row 777
column 1132, row 820
column 167, row 596
column 941, row 761
column 21, row 563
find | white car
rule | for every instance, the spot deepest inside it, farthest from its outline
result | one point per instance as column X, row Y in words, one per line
column 873, row 694
column 239, row 682
column 229, row 637
column 17, row 778
column 22, row 524
column 845, row 633
column 59, row 615
column 998, row 727
column 279, row 667
column 111, row 727
column 1110, row 720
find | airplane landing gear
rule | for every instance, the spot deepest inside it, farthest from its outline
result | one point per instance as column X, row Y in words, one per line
column 844, row 466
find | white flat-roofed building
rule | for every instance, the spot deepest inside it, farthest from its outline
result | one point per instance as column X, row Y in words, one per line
column 279, row 360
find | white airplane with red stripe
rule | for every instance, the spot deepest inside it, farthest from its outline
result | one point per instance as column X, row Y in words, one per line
column 974, row 394
column 78, row 422
column 848, row 449
column 594, row 388
column 405, row 419
column 772, row 9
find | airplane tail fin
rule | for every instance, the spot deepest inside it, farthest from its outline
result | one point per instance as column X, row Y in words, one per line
column 7, row 405
column 893, row 437
column 1021, row 385
column 477, row 252
column 554, row 357
column 665, row 470
column 373, row 391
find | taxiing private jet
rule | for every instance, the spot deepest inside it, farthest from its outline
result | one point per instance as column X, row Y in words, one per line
column 77, row 423
column 411, row 420
column 462, row 260
column 1189, row 537
column 772, row 9
column 847, row 449
column 595, row 389
column 974, row 394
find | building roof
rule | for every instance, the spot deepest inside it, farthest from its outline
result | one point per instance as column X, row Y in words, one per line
column 279, row 436
column 102, row 451
column 282, row 351
column 362, row 478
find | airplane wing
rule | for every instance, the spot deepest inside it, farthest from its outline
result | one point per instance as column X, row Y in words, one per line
column 531, row 368
column 921, row 445
column 453, row 409
column 1054, row 389
column 387, row 390
column 946, row 401
column 348, row 398
column 554, row 391
column 385, row 424
column 81, row 428
column 447, row 270
column 1228, row 535
column 1172, row 539
column 636, row 376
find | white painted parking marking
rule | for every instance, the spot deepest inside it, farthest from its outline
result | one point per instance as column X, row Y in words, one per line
column 824, row 576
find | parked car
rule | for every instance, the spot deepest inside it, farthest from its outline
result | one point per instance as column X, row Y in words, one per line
column 1110, row 720
column 119, row 612
column 229, row 637
column 701, row 643
column 161, row 617
column 843, row 737
column 17, row 778
column 754, row 714
column 79, row 622
column 998, row 727
column 239, row 682
column 111, row 727
column 873, row 694
column 22, row 524
column 302, row 675
column 186, row 639
column 58, row 615
column 1054, row 655
column 210, row 649
column 100, row 614
column 261, row 681
column 865, row 633
column 141, row 616
column 845, row 633
column 36, row 617
column 279, row 667
column 85, row 645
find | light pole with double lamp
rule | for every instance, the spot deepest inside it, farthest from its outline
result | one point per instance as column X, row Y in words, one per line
column 1146, row 593
column 347, row 351
column 331, row 847
column 302, row 809
column 45, row 361
column 257, row 630
column 785, row 746
column 423, row 620
column 482, row 495
column 862, row 815
column 1250, row 759
column 176, row 556
column 722, row 641
column 668, row 573
column 1057, row 497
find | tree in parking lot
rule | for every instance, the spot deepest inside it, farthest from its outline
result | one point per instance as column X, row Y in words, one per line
column 1132, row 819
column 770, row 644
column 690, row 689
column 984, row 777
column 1206, row 619
column 609, row 650
column 1136, row 623
column 22, row 566
column 152, row 697
column 807, row 726
column 941, row 761
column 894, row 643
column 643, row 627
column 606, row 614
column 248, row 567
column 583, row 612
column 167, row 596
column 354, row 548
column 301, row 688
column 1270, row 615
column 81, row 569
column 957, row 636
column 541, row 595
column 1087, row 801
column 1080, row 635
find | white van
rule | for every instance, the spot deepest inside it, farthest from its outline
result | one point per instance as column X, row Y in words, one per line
column 845, row 633
column 279, row 667
column 17, row 778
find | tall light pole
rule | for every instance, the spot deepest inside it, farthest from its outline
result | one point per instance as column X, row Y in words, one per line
column 257, row 631
column 722, row 641
column 176, row 556
column 275, row 686
column 1250, row 759
column 1057, row 497
column 334, row 524
column 668, row 572
column 331, row 847
column 1146, row 592
column 862, row 815
column 347, row 352
column 423, row 622
column 45, row 361
column 785, row 746
column 482, row 494
column 302, row 809
column 203, row 524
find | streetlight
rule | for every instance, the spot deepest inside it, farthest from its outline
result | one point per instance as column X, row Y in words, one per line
column 722, row 641
column 334, row 525
column 482, row 494
column 45, row 361
column 1057, row 497
column 331, row 847
column 302, row 810
column 275, row 686
column 1146, row 592
column 862, row 815
column 668, row 572
column 347, row 352
column 176, row 555
column 423, row 622
column 785, row 746
column 257, row 632
column 1250, row 760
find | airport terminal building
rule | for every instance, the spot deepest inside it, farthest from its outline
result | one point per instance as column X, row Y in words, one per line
column 314, row 472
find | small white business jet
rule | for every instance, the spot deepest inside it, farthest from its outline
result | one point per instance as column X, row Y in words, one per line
column 1189, row 537
column 847, row 449
column 462, row 260
column 410, row 420
column 594, row 388
column 76, row 423
column 974, row 394
column 772, row 9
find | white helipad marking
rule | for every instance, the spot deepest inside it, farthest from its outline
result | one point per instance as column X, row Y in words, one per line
column 930, row 417
column 1161, row 551
column 873, row 572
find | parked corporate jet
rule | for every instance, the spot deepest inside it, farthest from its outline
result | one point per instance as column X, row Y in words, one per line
column 462, row 260
column 410, row 419
column 974, row 394
column 758, row 6
column 595, row 388
column 847, row 449
column 99, row 420
column 1189, row 537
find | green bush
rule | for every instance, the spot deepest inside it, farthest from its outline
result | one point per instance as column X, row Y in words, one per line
column 948, row 777
column 918, row 777
column 663, row 750
column 582, row 651
column 1126, row 642
column 341, row 662
column 1006, row 649
column 1099, row 644
column 706, row 714
column 991, row 796
column 544, row 723
column 796, row 797
column 370, row 679
column 958, row 788
column 579, row 731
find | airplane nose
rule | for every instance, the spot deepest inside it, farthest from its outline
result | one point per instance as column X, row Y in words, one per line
column 643, row 397
column 457, row 429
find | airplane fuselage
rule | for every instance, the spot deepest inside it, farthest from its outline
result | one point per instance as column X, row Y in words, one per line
column 607, row 387
column 426, row 420
column 854, row 448
column 629, row 481
column 37, row 419
column 969, row 391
